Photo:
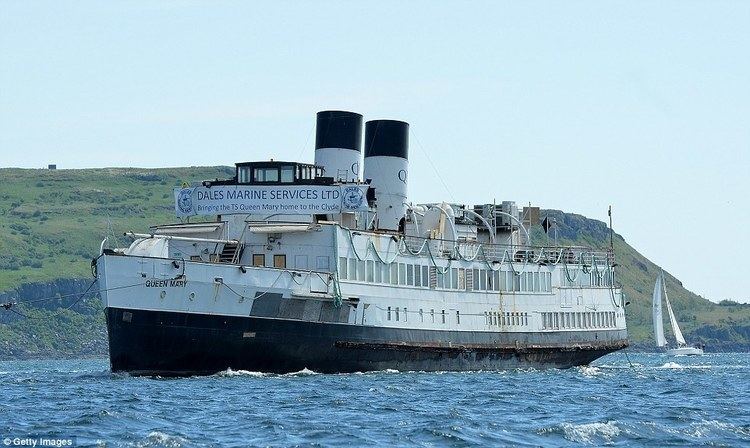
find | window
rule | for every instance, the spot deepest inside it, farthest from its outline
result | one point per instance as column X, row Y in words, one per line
column 378, row 273
column 266, row 174
column 342, row 266
column 454, row 278
column 475, row 276
column 287, row 174
column 432, row 315
column 406, row 315
column 360, row 270
column 461, row 278
column 394, row 273
column 322, row 263
column 443, row 316
column 386, row 273
column 352, row 269
column 300, row 262
column 401, row 274
column 410, row 274
column 516, row 281
column 259, row 259
column 389, row 313
column 439, row 281
column 426, row 276
column 243, row 174
column 417, row 275
column 279, row 261
column 458, row 318
column 397, row 314
column 483, row 279
column 370, row 271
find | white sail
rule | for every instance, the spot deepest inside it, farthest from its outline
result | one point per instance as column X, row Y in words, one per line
column 657, row 314
column 673, row 321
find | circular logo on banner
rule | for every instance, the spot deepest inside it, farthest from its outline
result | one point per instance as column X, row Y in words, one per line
column 352, row 198
column 185, row 201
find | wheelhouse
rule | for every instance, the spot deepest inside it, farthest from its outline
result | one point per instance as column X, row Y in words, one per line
column 273, row 173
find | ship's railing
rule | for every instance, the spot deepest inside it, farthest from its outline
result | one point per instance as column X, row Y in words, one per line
column 501, row 253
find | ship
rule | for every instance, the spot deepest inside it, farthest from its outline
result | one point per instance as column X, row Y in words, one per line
column 290, row 266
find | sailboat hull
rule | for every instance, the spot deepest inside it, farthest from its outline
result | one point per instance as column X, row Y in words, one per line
column 685, row 351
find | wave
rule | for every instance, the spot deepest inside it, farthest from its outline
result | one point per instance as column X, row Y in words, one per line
column 231, row 373
column 709, row 428
column 588, row 432
column 158, row 438
column 590, row 371
column 303, row 372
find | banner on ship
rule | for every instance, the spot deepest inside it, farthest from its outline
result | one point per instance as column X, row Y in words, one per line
column 253, row 199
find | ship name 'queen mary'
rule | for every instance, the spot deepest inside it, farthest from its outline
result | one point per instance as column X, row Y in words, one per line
column 293, row 265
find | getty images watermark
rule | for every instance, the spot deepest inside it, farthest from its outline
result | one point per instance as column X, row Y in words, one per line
column 36, row 441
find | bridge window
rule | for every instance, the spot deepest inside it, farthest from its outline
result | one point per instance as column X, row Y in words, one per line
column 417, row 275
column 287, row 174
column 266, row 174
column 243, row 175
column 259, row 259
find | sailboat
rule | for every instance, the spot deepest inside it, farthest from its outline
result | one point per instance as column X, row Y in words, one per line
column 660, row 291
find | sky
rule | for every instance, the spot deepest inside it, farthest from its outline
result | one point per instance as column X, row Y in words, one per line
column 569, row 105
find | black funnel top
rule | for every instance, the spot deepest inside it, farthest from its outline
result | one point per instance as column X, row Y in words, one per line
column 387, row 138
column 339, row 129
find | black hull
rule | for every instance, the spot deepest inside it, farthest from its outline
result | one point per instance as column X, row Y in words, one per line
column 178, row 344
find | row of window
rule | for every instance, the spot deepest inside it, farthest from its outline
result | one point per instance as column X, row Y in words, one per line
column 283, row 173
column 599, row 319
column 506, row 319
column 454, row 278
column 300, row 262
column 402, row 314
column 593, row 278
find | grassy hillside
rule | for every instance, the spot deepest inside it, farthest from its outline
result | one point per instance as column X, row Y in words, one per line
column 52, row 222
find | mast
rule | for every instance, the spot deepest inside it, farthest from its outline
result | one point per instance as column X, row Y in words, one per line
column 675, row 328
column 657, row 313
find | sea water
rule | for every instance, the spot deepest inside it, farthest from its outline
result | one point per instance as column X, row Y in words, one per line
column 622, row 400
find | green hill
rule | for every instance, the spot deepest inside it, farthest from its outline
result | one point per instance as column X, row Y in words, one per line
column 53, row 221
